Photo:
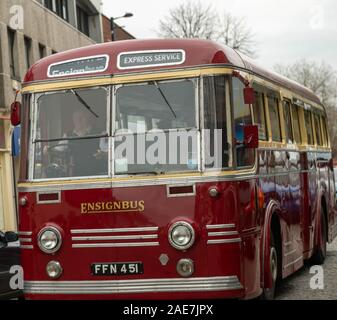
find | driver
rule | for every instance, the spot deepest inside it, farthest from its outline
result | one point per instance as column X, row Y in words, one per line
column 87, row 154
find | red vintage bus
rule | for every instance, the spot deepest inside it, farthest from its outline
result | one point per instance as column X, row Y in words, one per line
column 245, row 204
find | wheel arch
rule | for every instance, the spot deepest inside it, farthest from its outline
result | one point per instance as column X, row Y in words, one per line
column 272, row 223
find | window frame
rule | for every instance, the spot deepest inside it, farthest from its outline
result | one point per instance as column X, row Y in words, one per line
column 33, row 135
column 229, row 121
column 234, row 148
column 276, row 97
column 308, row 111
column 263, row 96
column 318, row 133
column 296, row 108
column 284, row 102
column 197, row 84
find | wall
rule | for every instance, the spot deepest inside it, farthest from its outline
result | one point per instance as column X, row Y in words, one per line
column 45, row 28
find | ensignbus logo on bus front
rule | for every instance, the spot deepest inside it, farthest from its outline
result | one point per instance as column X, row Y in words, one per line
column 112, row 207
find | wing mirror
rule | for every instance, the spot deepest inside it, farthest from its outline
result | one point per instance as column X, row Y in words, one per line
column 249, row 95
column 251, row 136
column 11, row 237
column 16, row 113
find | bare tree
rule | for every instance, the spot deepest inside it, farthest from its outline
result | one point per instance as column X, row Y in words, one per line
column 189, row 20
column 321, row 79
column 234, row 32
column 194, row 20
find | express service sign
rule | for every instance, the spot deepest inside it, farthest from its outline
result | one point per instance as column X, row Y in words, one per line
column 147, row 59
column 82, row 66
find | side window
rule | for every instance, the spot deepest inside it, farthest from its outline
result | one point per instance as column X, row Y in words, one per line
column 297, row 124
column 308, row 125
column 288, row 123
column 242, row 117
column 325, row 130
column 275, row 118
column 318, row 129
column 260, row 115
column 216, row 123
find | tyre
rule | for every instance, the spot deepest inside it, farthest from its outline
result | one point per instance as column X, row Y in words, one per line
column 269, row 293
column 320, row 253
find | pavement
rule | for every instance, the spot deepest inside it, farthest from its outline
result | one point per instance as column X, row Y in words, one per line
column 297, row 287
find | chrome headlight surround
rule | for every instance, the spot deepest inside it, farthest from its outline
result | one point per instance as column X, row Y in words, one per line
column 185, row 228
column 58, row 238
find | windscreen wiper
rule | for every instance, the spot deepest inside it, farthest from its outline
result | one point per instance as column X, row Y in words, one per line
column 83, row 102
column 164, row 97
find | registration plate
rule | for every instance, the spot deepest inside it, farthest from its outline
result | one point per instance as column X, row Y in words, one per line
column 117, row 269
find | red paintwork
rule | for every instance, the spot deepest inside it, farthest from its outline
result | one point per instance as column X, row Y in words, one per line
column 198, row 53
column 293, row 198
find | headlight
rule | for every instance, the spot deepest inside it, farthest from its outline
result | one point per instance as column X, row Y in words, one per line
column 185, row 268
column 49, row 240
column 181, row 235
column 54, row 269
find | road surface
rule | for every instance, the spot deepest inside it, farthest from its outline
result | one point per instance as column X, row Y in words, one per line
column 297, row 287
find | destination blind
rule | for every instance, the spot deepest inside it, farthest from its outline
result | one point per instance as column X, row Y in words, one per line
column 145, row 59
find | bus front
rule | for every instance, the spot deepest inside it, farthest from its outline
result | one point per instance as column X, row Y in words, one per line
column 129, row 188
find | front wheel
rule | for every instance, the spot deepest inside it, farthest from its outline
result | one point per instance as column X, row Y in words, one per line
column 320, row 254
column 269, row 293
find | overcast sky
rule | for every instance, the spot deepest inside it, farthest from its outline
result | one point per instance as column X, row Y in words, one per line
column 285, row 31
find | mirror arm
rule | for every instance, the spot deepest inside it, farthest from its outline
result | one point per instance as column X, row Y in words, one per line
column 238, row 75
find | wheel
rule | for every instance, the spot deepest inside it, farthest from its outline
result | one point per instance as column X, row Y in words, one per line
column 269, row 293
column 320, row 254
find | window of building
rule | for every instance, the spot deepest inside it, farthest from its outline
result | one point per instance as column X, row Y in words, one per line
column 42, row 51
column 260, row 115
column 242, row 117
column 274, row 113
column 288, row 123
column 296, row 123
column 60, row 7
column 11, row 45
column 308, row 125
column 28, row 48
column 2, row 135
column 82, row 21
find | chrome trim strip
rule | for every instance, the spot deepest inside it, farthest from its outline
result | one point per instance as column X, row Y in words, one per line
column 25, row 233
column 293, row 262
column 27, row 247
column 115, row 245
column 120, row 230
column 290, row 253
column 219, row 234
column 224, row 241
column 220, row 226
column 133, row 286
column 140, row 237
column 25, row 240
column 133, row 183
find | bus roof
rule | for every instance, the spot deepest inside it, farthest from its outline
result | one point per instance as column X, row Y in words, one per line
column 136, row 54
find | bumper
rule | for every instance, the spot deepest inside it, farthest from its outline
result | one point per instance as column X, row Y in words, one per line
column 215, row 284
